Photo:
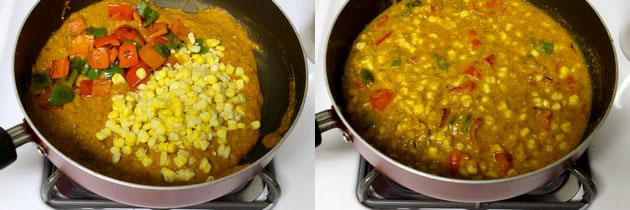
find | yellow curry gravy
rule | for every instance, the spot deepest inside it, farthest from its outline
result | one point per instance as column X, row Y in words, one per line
column 72, row 128
column 468, row 89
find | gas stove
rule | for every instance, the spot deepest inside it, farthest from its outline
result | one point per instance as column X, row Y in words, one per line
column 60, row 192
column 568, row 191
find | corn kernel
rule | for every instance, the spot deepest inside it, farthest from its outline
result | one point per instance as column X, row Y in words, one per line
column 168, row 174
column 255, row 124
column 141, row 73
column 118, row 79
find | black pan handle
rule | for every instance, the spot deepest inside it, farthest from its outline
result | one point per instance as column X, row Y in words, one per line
column 324, row 121
column 10, row 140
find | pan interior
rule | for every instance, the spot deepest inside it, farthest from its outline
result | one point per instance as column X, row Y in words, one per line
column 280, row 62
column 577, row 17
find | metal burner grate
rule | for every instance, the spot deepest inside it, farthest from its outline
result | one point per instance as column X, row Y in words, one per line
column 573, row 189
column 58, row 191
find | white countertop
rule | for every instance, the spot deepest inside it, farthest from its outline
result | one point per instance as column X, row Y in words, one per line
column 336, row 163
column 21, row 181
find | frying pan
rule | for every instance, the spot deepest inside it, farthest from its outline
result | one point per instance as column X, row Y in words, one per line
column 577, row 16
column 280, row 63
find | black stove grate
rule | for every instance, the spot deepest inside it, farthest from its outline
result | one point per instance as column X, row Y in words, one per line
column 572, row 190
column 59, row 192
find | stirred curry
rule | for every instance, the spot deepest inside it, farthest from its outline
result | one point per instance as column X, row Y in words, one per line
column 470, row 89
column 149, row 95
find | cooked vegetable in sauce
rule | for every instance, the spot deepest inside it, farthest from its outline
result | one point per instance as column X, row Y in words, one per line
column 148, row 95
column 468, row 89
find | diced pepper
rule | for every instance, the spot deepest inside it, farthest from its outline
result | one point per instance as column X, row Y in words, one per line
column 150, row 18
column 134, row 42
column 366, row 76
column 60, row 95
column 380, row 21
column 156, row 40
column 77, row 25
column 504, row 160
column 98, row 58
column 382, row 39
column 455, row 161
column 79, row 64
column 179, row 29
column 128, row 55
column 466, row 124
column 143, row 9
column 441, row 62
column 473, row 72
column 110, row 40
column 113, row 54
column 358, row 85
column 157, row 29
column 132, row 78
column 125, row 33
column 97, row 32
column 413, row 3
column 85, row 88
column 41, row 81
column 472, row 32
column 475, row 44
column 474, row 127
column 151, row 57
column 69, row 80
column 546, row 116
column 171, row 59
column 42, row 99
column 101, row 87
column 493, row 3
column 445, row 114
column 174, row 41
column 81, row 45
column 137, row 17
column 396, row 62
column 109, row 73
column 60, row 68
column 467, row 86
column 93, row 73
column 490, row 59
column 120, row 12
column 163, row 50
column 381, row 98
column 546, row 47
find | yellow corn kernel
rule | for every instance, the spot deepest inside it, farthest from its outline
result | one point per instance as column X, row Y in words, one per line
column 185, row 174
column 126, row 150
column 255, row 124
column 141, row 73
column 147, row 161
column 205, row 166
column 118, row 79
column 168, row 174
column 119, row 142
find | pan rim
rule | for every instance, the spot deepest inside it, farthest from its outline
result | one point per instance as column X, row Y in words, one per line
column 269, row 154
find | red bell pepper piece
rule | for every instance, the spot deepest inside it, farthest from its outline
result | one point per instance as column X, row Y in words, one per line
column 467, row 86
column 85, row 88
column 490, row 59
column 445, row 113
column 113, row 54
column 473, row 72
column 60, row 68
column 382, row 39
column 504, row 160
column 77, row 25
column 110, row 40
column 157, row 29
column 98, row 58
column 475, row 43
column 120, row 12
column 151, row 57
column 128, row 55
column 381, row 98
column 474, row 127
column 179, row 29
column 132, row 78
column 455, row 161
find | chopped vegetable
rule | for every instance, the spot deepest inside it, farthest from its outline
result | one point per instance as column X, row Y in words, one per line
column 466, row 124
column 173, row 41
column 157, row 29
column 159, row 39
column 109, row 73
column 382, row 39
column 125, row 33
column 413, row 3
column 179, row 29
column 380, row 21
column 137, row 17
column 455, row 161
column 476, row 43
column 441, row 62
column 445, row 113
column 60, row 95
column 366, row 76
column 79, row 64
column 490, row 59
column 77, row 25
column 381, row 98
column 546, row 47
column 467, row 86
column 113, row 54
column 150, row 18
column 474, row 127
column 93, row 73
column 163, row 50
column 128, row 55
column 473, row 72
column 69, row 81
column 85, row 88
column 132, row 77
column 396, row 62
column 143, row 9
column 81, row 45
column 41, row 81
column 200, row 43
column 109, row 41
column 98, row 58
column 134, row 42
column 151, row 57
column 546, row 116
column 504, row 160
column 493, row 3
column 60, row 68
column 120, row 12
column 101, row 87
column 97, row 32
